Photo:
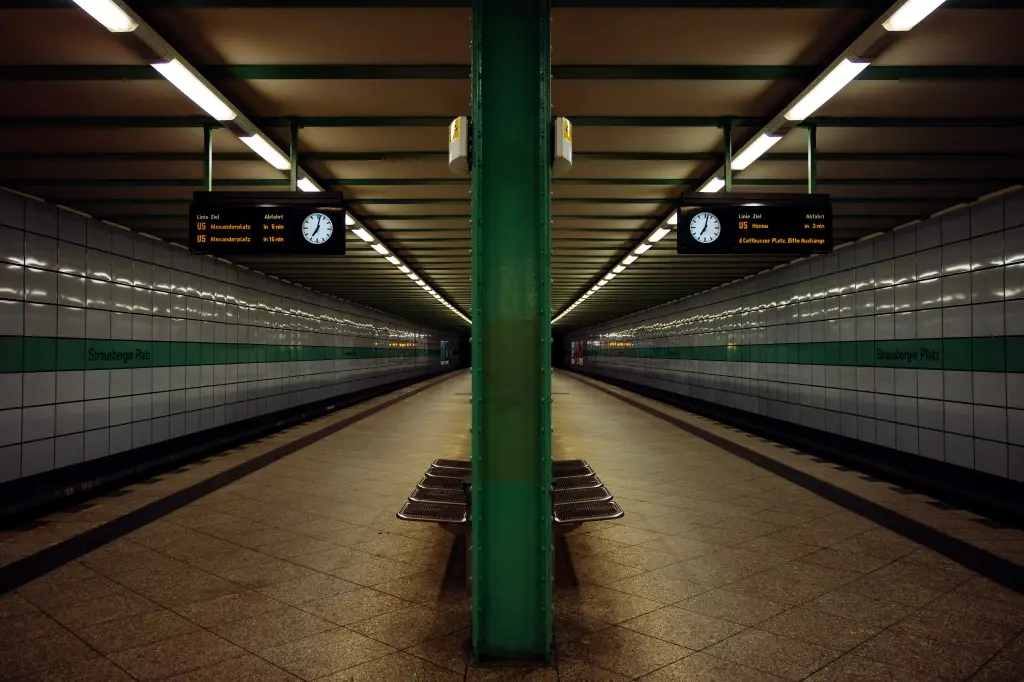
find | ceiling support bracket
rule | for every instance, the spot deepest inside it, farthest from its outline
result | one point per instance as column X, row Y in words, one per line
column 727, row 152
column 208, row 157
column 812, row 158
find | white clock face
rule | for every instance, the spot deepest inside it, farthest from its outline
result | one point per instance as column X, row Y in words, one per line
column 705, row 227
column 317, row 228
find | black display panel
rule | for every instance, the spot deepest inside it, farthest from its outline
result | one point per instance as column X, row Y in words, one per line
column 788, row 225
column 290, row 223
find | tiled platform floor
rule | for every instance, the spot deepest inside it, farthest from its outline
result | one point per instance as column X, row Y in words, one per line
column 719, row 571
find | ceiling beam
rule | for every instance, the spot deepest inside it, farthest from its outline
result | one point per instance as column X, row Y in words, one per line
column 413, row 155
column 387, row 182
column 615, row 72
column 578, row 4
column 579, row 121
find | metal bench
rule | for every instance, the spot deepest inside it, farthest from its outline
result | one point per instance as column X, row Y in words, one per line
column 577, row 495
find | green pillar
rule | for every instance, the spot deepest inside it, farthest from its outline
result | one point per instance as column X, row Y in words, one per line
column 812, row 159
column 511, row 434
column 208, row 157
column 293, row 158
column 727, row 145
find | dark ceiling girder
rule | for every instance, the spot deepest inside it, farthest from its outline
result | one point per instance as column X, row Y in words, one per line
column 717, row 72
column 586, row 121
column 416, row 155
column 582, row 4
column 388, row 182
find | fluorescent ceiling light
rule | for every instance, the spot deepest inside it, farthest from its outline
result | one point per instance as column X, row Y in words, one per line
column 349, row 220
column 404, row 268
column 424, row 284
column 363, row 234
column 306, row 185
column 844, row 72
column 618, row 268
column 392, row 260
column 642, row 249
column 903, row 19
column 610, row 276
column 113, row 18
column 628, row 260
column 379, row 248
column 259, row 145
column 756, row 149
column 659, row 234
column 712, row 185
column 186, row 81
column 413, row 276
column 673, row 219
column 601, row 283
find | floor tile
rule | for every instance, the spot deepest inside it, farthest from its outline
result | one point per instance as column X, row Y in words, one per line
column 907, row 649
column 246, row 668
column 819, row 628
column 409, row 626
column 354, row 606
column 452, row 652
column 604, row 604
column 737, row 608
column 703, row 668
column 272, row 628
column 685, row 628
column 782, row 656
column 176, row 655
column 397, row 666
column 327, row 652
column 623, row 651
column 129, row 633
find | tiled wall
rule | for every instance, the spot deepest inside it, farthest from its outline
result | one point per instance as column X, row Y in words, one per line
column 111, row 340
column 913, row 340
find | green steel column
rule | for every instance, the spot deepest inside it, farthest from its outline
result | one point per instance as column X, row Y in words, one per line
column 208, row 157
column 511, row 434
column 727, row 144
column 812, row 159
column 293, row 158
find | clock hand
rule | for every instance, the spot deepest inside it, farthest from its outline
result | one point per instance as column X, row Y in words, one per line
column 705, row 226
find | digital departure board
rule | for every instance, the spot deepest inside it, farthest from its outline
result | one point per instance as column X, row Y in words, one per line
column 291, row 223
column 763, row 224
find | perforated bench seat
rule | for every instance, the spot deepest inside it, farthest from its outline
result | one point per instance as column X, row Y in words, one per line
column 568, row 496
column 578, row 512
column 447, row 472
column 577, row 494
column 436, row 512
column 573, row 482
column 440, row 483
column 439, row 496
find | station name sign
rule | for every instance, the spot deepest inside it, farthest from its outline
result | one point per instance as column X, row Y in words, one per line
column 267, row 223
column 789, row 224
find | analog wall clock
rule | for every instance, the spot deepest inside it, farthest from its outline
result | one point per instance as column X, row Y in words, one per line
column 705, row 227
column 317, row 228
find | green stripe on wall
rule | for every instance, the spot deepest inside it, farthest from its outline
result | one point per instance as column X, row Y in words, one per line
column 48, row 354
column 988, row 354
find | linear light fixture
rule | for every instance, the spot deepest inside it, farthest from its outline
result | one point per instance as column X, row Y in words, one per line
column 362, row 233
column 259, row 144
column 182, row 78
column 909, row 15
column 754, row 150
column 715, row 184
column 837, row 79
column 108, row 13
column 307, row 185
column 659, row 234
column 653, row 238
